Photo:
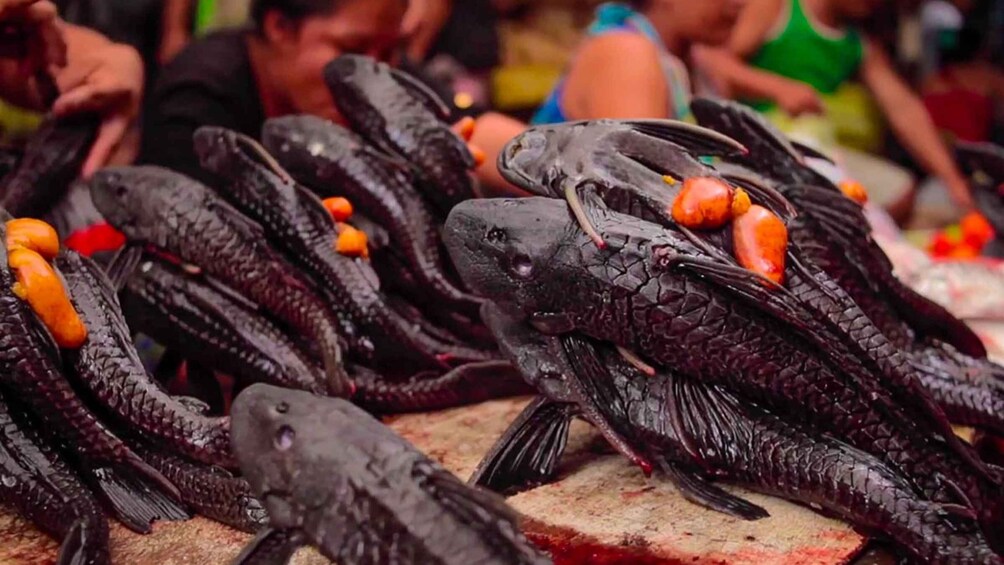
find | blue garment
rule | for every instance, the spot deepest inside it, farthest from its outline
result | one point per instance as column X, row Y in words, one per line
column 614, row 17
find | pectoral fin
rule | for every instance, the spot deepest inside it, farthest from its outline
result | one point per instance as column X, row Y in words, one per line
column 696, row 139
column 696, row 489
column 271, row 547
column 527, row 454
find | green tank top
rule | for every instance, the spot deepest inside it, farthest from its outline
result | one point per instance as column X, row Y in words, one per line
column 802, row 52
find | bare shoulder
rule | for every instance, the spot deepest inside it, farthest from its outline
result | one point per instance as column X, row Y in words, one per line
column 756, row 22
column 621, row 49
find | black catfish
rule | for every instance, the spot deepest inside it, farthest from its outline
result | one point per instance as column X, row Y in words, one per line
column 108, row 365
column 51, row 161
column 333, row 477
column 30, row 367
column 696, row 433
column 208, row 322
column 42, row 488
column 396, row 112
column 667, row 301
column 155, row 206
column 333, row 161
column 210, row 491
column 297, row 223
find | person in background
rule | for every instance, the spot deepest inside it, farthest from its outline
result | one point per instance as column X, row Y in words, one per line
column 786, row 53
column 91, row 73
column 239, row 78
column 632, row 62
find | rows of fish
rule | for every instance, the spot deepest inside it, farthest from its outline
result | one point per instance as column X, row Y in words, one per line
column 732, row 321
column 245, row 278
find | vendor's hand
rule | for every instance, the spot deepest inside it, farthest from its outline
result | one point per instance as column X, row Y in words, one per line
column 958, row 189
column 36, row 22
column 421, row 25
column 110, row 82
column 797, row 98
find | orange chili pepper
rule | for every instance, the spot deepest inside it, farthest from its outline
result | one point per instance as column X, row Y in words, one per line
column 478, row 154
column 976, row 231
column 339, row 208
column 854, row 190
column 761, row 242
column 40, row 286
column 465, row 128
column 703, row 203
column 352, row 242
column 33, row 234
column 740, row 203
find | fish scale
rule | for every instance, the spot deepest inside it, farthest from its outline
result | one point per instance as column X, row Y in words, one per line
column 185, row 219
column 298, row 224
column 44, row 490
column 748, row 445
column 182, row 312
column 110, row 367
column 335, row 162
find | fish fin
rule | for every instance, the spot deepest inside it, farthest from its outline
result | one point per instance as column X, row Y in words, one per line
column 659, row 157
column 271, row 547
column 696, row 139
column 123, row 264
column 527, row 454
column 811, row 152
column 761, row 192
column 741, row 121
column 256, row 152
column 420, row 90
column 133, row 500
column 469, row 501
column 588, row 383
column 698, row 490
column 224, row 290
column 76, row 548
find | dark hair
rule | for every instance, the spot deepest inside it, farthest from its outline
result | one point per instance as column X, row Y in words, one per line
column 294, row 10
column 640, row 5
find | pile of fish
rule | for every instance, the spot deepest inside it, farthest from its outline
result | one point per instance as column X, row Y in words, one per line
column 245, row 278
column 84, row 429
column 732, row 322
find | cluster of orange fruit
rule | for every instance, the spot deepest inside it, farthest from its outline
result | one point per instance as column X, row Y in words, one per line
column 964, row 240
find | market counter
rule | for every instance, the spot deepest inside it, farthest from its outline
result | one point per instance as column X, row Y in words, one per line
column 600, row 510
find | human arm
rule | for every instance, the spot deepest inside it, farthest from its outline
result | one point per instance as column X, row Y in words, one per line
column 491, row 132
column 422, row 24
column 175, row 30
column 616, row 75
column 911, row 123
column 729, row 65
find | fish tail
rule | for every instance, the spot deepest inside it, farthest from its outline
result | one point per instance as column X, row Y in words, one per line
column 85, row 544
column 138, row 495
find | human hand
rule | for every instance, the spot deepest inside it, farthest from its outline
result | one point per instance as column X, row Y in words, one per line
column 108, row 81
column 797, row 98
column 421, row 25
column 958, row 189
column 171, row 44
column 31, row 34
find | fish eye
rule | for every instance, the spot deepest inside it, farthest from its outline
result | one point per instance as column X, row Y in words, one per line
column 496, row 235
column 521, row 265
column 282, row 407
column 121, row 190
column 284, row 438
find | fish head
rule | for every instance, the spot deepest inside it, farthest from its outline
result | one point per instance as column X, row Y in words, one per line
column 531, row 160
column 503, row 248
column 138, row 201
column 283, row 440
column 349, row 75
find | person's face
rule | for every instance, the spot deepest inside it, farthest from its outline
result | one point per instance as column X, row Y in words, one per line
column 707, row 21
column 366, row 27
